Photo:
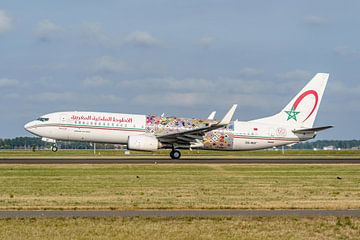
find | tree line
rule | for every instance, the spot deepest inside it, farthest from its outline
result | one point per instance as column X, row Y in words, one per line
column 320, row 144
column 37, row 143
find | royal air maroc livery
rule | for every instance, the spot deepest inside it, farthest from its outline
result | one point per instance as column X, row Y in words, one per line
column 291, row 125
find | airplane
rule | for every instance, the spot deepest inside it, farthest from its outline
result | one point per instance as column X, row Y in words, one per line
column 291, row 125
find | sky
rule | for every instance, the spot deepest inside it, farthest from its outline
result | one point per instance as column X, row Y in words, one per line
column 183, row 58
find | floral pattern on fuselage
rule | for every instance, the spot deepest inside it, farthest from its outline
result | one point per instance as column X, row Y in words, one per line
column 165, row 125
column 218, row 139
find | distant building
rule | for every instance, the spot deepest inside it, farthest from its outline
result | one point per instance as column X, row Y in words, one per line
column 329, row 148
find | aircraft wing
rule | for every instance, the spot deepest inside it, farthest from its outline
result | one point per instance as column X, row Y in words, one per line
column 312, row 130
column 189, row 136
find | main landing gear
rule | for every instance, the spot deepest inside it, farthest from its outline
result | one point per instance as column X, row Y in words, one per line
column 54, row 148
column 175, row 154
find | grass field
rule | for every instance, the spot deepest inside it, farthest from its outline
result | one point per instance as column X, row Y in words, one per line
column 179, row 186
column 185, row 153
column 279, row 228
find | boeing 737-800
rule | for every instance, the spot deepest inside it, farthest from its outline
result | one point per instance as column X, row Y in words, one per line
column 291, row 125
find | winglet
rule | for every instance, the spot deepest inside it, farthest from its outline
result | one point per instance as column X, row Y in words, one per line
column 212, row 115
column 226, row 120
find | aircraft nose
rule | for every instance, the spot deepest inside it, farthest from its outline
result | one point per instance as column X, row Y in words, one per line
column 28, row 125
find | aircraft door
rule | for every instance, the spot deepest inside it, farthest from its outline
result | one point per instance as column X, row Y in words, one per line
column 63, row 118
column 271, row 135
column 63, row 128
column 272, row 132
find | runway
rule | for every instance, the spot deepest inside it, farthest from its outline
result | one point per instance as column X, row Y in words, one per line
column 203, row 160
column 182, row 213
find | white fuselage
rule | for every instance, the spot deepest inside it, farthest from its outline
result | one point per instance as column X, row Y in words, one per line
column 116, row 128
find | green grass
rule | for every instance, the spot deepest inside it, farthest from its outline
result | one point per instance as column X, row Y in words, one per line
column 179, row 186
column 186, row 153
column 279, row 228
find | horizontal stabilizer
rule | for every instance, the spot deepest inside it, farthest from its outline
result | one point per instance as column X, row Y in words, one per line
column 312, row 130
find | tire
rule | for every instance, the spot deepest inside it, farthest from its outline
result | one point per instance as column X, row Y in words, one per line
column 54, row 148
column 175, row 154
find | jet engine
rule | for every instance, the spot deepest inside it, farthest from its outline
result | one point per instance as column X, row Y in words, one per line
column 143, row 143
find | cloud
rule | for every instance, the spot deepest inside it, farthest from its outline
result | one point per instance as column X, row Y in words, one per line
column 49, row 66
column 338, row 88
column 10, row 96
column 142, row 39
column 295, row 75
column 96, row 81
column 219, row 85
column 169, row 84
column 315, row 20
column 107, row 64
column 346, row 51
column 250, row 72
column 171, row 99
column 93, row 34
column 59, row 97
column 5, row 22
column 206, row 42
column 47, row 30
column 195, row 92
column 110, row 98
column 6, row 82
column 198, row 98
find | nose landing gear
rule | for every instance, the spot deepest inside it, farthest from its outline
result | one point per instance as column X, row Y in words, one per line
column 54, row 148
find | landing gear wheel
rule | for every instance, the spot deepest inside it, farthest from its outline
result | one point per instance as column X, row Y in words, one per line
column 54, row 148
column 175, row 154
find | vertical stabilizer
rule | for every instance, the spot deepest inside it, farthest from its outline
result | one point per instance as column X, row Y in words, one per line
column 302, row 109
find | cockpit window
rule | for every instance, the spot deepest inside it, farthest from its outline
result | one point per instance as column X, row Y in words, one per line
column 42, row 119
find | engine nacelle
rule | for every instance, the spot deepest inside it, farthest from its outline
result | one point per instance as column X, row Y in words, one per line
column 143, row 143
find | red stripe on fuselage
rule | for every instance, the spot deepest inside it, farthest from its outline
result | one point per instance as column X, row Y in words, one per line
column 88, row 127
column 256, row 138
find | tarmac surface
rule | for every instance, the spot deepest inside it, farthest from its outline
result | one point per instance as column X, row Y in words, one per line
column 182, row 213
column 201, row 160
